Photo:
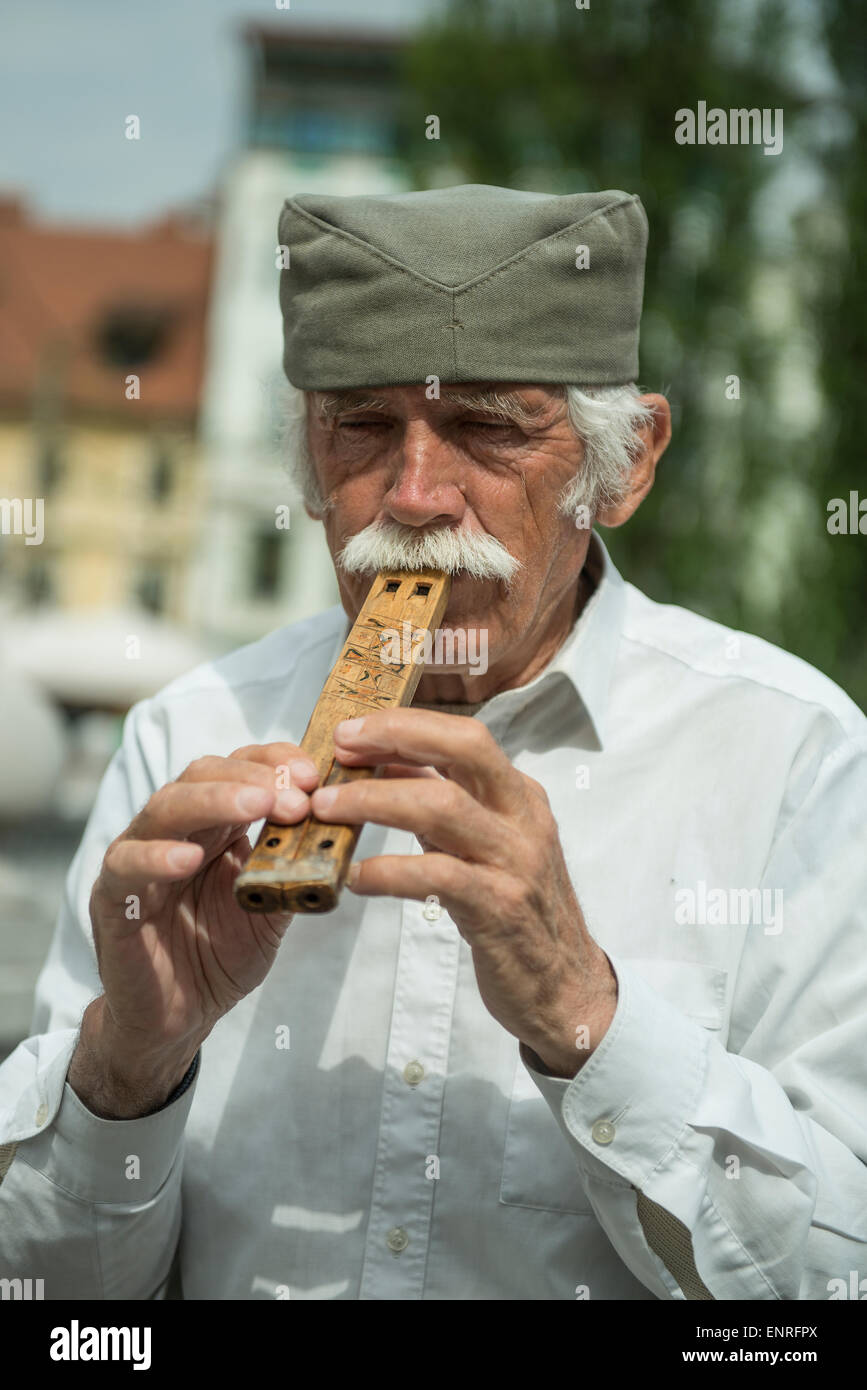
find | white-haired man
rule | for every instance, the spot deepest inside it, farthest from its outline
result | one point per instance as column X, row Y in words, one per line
column 590, row 1021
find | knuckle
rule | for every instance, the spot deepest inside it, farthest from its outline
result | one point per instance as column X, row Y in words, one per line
column 106, row 869
column 281, row 752
column 444, row 796
column 512, row 900
column 359, row 796
column 199, row 767
column 538, row 789
column 480, row 733
column 481, row 745
column 379, row 724
column 110, row 871
column 154, row 804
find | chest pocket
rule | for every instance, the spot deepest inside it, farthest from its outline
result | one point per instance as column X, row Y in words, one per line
column 538, row 1167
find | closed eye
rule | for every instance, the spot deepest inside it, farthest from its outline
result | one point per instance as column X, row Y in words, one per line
column 500, row 425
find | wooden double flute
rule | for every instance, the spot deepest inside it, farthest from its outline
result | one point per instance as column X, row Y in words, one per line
column 302, row 868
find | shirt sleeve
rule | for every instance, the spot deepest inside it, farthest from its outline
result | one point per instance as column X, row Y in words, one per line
column 742, row 1173
column 78, row 1192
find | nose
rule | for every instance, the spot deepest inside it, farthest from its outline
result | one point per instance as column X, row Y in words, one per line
column 424, row 491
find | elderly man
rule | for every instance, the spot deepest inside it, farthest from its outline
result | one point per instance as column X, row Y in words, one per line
column 590, row 1021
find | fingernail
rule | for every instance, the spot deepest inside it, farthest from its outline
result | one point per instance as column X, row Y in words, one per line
column 354, row 871
column 303, row 767
column 250, row 801
column 324, row 798
column 348, row 729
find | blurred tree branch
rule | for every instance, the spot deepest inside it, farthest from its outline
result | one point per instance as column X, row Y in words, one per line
column 755, row 269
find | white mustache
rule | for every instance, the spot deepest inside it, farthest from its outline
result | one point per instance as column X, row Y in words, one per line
column 389, row 545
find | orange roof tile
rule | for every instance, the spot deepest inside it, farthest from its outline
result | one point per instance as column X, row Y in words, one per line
column 65, row 292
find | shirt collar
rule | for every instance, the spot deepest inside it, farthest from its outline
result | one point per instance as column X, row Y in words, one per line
column 585, row 662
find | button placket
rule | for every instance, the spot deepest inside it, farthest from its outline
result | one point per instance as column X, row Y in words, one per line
column 401, row 1209
column 397, row 1240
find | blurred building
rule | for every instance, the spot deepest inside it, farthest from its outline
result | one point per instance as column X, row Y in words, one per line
column 322, row 115
column 101, row 363
column 101, row 486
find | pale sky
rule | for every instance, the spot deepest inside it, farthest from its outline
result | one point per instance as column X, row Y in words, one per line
column 70, row 73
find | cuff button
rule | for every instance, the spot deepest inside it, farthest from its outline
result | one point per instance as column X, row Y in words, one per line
column 603, row 1132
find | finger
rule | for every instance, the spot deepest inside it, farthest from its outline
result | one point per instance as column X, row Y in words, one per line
column 462, row 749
column 303, row 768
column 409, row 770
column 182, row 808
column 274, row 777
column 464, row 890
column 131, row 864
column 439, row 810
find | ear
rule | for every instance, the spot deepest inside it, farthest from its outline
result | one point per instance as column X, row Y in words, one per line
column 314, row 516
column 654, row 441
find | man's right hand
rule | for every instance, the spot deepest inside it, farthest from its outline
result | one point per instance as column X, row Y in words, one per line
column 175, row 951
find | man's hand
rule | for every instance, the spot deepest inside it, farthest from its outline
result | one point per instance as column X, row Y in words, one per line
column 175, row 950
column 493, row 858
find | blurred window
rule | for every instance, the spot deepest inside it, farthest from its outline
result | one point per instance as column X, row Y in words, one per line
column 49, row 467
column 150, row 591
column 265, row 571
column 317, row 132
column 131, row 335
column 38, row 584
column 162, row 472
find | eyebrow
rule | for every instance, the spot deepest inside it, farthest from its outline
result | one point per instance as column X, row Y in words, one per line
column 335, row 403
column 487, row 401
column 490, row 401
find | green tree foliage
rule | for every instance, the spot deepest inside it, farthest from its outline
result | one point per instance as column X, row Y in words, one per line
column 755, row 269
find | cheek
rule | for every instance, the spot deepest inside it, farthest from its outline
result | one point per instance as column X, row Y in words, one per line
column 521, row 511
column 355, row 499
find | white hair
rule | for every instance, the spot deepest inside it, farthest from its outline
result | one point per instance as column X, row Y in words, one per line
column 605, row 418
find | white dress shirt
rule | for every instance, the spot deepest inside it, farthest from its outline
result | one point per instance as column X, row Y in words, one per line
column 403, row 1145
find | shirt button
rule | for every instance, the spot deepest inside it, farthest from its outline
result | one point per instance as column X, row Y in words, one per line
column 603, row 1131
column 413, row 1073
column 42, row 1114
column 397, row 1239
column 432, row 911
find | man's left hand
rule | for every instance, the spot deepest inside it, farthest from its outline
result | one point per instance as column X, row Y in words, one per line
column 493, row 858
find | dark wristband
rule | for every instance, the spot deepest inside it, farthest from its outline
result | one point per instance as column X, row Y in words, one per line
column 185, row 1083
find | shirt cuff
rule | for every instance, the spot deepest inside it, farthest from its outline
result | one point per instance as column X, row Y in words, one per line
column 111, row 1161
column 628, row 1107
